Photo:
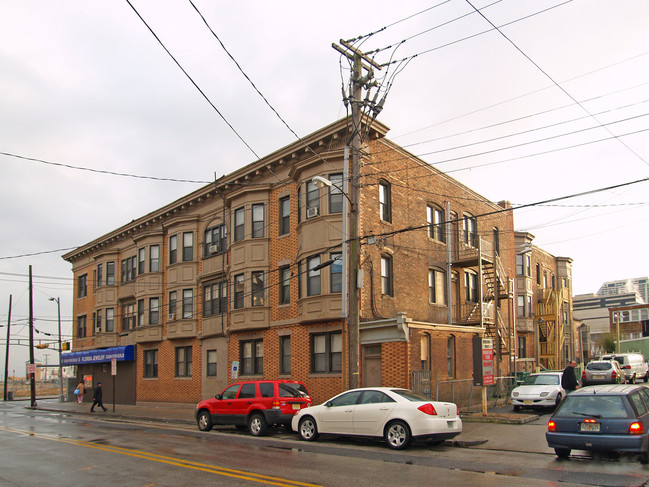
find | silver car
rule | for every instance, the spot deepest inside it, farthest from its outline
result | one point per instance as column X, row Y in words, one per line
column 603, row 372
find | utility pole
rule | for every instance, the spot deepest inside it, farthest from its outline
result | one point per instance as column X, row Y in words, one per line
column 7, row 354
column 32, row 375
column 354, row 280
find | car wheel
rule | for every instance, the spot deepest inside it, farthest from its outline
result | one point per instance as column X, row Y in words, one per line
column 398, row 436
column 562, row 453
column 204, row 421
column 308, row 429
column 517, row 408
column 632, row 379
column 257, row 425
column 557, row 401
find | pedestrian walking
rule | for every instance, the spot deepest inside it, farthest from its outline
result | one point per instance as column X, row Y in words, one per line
column 80, row 391
column 569, row 379
column 97, row 398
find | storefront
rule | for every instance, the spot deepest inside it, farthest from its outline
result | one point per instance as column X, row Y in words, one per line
column 97, row 366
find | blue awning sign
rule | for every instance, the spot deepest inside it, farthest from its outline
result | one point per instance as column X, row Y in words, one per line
column 98, row 356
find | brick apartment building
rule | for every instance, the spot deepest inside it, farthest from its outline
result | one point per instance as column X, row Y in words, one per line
column 231, row 277
column 545, row 325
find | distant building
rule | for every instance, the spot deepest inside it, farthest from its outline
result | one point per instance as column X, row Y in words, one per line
column 638, row 284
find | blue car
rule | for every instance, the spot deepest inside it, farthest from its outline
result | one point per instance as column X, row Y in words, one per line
column 607, row 418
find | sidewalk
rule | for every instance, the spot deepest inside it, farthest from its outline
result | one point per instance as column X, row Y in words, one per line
column 500, row 430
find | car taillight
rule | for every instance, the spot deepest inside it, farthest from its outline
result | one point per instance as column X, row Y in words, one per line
column 636, row 428
column 583, row 374
column 614, row 375
column 275, row 404
column 428, row 409
column 552, row 426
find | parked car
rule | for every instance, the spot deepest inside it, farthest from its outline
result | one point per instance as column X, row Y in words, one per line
column 542, row 389
column 397, row 415
column 255, row 405
column 602, row 418
column 602, row 372
column 634, row 365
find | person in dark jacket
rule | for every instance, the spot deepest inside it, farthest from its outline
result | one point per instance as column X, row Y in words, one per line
column 97, row 398
column 569, row 379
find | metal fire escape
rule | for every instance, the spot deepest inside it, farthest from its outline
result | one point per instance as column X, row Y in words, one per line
column 548, row 312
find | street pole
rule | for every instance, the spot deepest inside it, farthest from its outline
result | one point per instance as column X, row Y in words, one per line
column 58, row 305
column 7, row 353
column 32, row 374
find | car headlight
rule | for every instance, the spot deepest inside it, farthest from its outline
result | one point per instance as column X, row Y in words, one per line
column 514, row 394
column 543, row 394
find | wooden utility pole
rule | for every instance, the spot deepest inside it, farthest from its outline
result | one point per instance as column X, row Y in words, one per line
column 32, row 375
column 7, row 354
column 354, row 280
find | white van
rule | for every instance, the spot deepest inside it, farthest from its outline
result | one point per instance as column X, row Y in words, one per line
column 634, row 364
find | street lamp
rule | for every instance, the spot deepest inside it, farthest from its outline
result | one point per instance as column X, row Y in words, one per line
column 58, row 305
column 350, row 268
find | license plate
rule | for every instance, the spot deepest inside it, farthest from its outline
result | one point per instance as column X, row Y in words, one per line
column 589, row 427
column 598, row 376
column 527, row 403
column 296, row 406
column 451, row 424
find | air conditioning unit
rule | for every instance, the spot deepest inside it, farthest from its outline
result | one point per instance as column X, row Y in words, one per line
column 311, row 212
column 213, row 249
column 171, row 316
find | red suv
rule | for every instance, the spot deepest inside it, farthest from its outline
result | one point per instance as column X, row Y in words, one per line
column 255, row 405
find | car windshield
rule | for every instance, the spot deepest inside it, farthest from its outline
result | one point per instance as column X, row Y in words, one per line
column 411, row 396
column 542, row 380
column 592, row 406
column 599, row 366
column 290, row 389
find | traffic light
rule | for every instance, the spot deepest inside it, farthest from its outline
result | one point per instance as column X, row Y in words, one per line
column 65, row 346
column 43, row 345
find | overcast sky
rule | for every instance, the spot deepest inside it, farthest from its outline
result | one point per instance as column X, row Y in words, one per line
column 552, row 103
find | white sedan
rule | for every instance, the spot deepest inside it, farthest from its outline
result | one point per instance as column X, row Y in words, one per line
column 539, row 390
column 398, row 415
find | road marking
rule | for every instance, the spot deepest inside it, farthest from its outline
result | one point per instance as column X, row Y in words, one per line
column 228, row 472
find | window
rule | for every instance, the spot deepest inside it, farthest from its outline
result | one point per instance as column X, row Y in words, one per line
column 258, row 220
column 188, row 246
column 471, row 286
column 520, row 306
column 538, row 273
column 110, row 273
column 128, row 316
column 216, row 240
column 154, row 311
column 184, row 361
column 110, row 319
column 284, row 215
column 81, row 326
column 252, row 357
column 257, row 288
column 239, row 224
column 437, row 286
column 97, row 319
column 299, row 204
column 425, row 352
column 188, row 304
column 248, row 391
column 519, row 264
column 436, row 226
column 529, row 306
column 173, row 299
column 215, row 298
column 336, row 272
column 173, row 249
column 285, row 355
column 450, row 356
column 335, row 194
column 140, row 312
column 522, row 346
column 528, row 265
column 82, row 290
column 385, row 204
column 313, row 278
column 470, row 230
column 141, row 260
column 496, row 240
column 154, row 258
column 284, row 285
column 99, row 274
column 299, row 280
column 386, row 276
column 150, row 364
column 211, row 363
column 238, row 291
column 312, row 200
column 129, row 269
column 326, row 352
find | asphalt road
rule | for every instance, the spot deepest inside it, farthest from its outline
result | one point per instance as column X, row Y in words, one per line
column 51, row 448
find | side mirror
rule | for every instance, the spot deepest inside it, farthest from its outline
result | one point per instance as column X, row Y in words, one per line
column 218, row 396
column 328, row 404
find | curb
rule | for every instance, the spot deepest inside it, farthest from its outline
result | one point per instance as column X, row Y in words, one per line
column 500, row 418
